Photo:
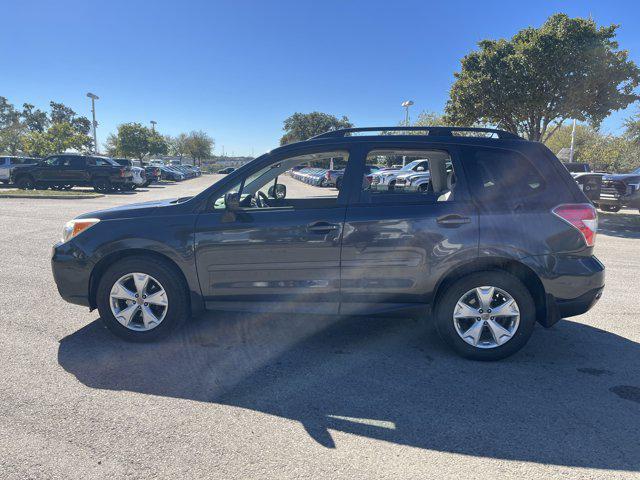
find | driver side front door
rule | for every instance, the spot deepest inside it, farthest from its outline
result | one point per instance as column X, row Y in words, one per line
column 283, row 257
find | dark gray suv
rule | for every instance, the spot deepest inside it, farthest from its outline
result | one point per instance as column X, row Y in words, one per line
column 501, row 239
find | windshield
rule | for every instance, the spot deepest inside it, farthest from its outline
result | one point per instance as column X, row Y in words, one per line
column 636, row 171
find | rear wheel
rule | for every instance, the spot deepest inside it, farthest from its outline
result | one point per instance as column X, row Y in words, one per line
column 142, row 299
column 25, row 183
column 486, row 315
column 339, row 183
column 102, row 185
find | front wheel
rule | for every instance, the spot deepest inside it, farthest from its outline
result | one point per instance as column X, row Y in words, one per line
column 486, row 315
column 142, row 299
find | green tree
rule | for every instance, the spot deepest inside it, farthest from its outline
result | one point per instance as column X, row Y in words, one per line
column 178, row 145
column 530, row 84
column 133, row 140
column 632, row 128
column 199, row 145
column 60, row 113
column 111, row 145
column 11, row 138
column 157, row 144
column 301, row 126
column 34, row 119
column 58, row 138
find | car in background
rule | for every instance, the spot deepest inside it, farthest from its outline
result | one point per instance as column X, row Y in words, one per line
column 386, row 179
column 167, row 173
column 620, row 190
column 139, row 173
column 8, row 164
column 65, row 171
column 157, row 162
column 333, row 178
column 414, row 181
column 153, row 174
column 226, row 171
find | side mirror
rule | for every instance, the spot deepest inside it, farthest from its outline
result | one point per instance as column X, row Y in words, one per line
column 420, row 169
column 232, row 201
column 277, row 191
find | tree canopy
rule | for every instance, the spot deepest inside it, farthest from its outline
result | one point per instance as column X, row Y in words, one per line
column 530, row 84
column 35, row 132
column 198, row 145
column 301, row 126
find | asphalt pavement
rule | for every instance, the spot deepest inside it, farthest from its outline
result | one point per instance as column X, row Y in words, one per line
column 266, row 396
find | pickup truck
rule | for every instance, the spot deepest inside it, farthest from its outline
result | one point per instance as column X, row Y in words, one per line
column 620, row 190
column 65, row 171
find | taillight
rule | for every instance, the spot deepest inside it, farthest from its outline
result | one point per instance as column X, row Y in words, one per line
column 582, row 216
column 122, row 172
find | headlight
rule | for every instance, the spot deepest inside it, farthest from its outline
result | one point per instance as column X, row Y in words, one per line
column 634, row 187
column 76, row 226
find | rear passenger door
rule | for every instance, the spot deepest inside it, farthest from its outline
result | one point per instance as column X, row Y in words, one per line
column 397, row 244
column 77, row 171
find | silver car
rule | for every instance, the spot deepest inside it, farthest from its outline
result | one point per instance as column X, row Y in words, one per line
column 413, row 181
column 386, row 179
column 8, row 164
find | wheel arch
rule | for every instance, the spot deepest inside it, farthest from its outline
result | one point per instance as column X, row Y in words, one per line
column 518, row 269
column 105, row 262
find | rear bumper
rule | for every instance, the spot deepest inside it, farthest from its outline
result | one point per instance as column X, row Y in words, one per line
column 572, row 285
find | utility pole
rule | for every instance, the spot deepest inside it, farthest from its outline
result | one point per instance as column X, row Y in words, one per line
column 573, row 141
column 153, row 125
column 94, row 124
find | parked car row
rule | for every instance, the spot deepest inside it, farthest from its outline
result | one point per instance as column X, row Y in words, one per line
column 9, row 163
column 608, row 192
column 104, row 174
column 322, row 177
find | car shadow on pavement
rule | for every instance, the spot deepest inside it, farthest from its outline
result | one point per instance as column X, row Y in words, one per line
column 571, row 397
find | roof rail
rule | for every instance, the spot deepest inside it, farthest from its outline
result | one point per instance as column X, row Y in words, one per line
column 433, row 130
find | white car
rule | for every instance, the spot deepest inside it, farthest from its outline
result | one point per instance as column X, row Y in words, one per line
column 386, row 179
column 139, row 173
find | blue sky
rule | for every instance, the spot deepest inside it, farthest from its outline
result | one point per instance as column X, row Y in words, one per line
column 237, row 69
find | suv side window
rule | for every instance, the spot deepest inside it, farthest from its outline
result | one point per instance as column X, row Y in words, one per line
column 78, row 162
column 409, row 176
column 499, row 175
column 300, row 180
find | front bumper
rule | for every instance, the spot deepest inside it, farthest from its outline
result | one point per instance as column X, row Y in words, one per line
column 71, row 272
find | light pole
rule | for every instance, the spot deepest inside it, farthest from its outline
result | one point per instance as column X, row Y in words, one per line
column 153, row 125
column 93, row 98
column 406, row 106
column 573, row 141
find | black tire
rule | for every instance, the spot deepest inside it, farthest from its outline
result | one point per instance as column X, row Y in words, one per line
column 392, row 186
column 339, row 183
column 446, row 304
column 25, row 183
column 171, row 280
column 102, row 185
column 610, row 208
column 146, row 184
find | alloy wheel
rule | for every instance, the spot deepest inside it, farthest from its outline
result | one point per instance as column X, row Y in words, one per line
column 138, row 301
column 486, row 317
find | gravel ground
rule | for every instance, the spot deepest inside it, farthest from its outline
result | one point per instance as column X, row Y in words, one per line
column 261, row 396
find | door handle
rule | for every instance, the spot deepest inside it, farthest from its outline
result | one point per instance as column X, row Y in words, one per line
column 321, row 227
column 453, row 220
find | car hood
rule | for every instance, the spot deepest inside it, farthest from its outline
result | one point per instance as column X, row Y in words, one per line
column 136, row 209
column 624, row 177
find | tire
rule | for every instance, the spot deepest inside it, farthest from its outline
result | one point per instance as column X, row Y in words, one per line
column 177, row 309
column 339, row 183
column 25, row 183
column 447, row 303
column 146, row 184
column 102, row 185
column 610, row 208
